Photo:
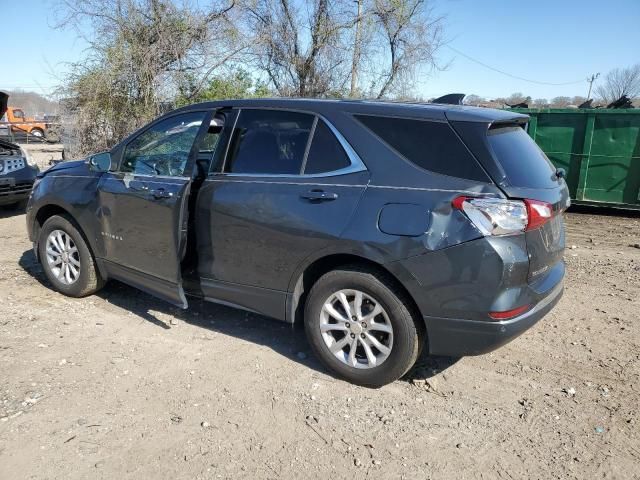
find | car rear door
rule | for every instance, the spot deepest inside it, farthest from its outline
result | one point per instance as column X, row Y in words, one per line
column 143, row 211
column 289, row 186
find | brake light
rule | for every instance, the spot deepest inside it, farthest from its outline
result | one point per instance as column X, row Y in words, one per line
column 507, row 314
column 499, row 216
column 538, row 213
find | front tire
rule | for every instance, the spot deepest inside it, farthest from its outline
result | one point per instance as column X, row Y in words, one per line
column 66, row 258
column 360, row 328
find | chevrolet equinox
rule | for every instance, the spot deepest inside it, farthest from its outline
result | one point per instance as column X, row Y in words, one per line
column 384, row 227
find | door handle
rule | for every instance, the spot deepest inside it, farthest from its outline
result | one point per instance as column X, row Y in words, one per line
column 319, row 195
column 140, row 187
column 160, row 193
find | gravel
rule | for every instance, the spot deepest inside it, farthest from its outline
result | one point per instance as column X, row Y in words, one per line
column 228, row 395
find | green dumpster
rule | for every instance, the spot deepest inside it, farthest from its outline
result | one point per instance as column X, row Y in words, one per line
column 598, row 148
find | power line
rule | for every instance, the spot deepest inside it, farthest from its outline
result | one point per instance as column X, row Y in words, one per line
column 509, row 74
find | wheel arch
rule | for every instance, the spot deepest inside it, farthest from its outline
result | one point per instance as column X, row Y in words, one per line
column 314, row 270
column 44, row 213
column 51, row 209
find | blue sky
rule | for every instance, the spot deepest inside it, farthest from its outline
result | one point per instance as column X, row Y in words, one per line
column 548, row 41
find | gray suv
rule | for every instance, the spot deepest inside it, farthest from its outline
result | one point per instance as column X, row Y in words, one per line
column 384, row 227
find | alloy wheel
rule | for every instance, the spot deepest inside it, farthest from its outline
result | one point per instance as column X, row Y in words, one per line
column 63, row 257
column 356, row 329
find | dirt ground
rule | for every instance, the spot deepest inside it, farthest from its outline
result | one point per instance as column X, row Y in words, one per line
column 120, row 385
column 41, row 154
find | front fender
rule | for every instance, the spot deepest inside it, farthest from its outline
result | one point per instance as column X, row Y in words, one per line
column 73, row 195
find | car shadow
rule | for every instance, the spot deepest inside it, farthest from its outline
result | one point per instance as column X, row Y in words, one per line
column 608, row 211
column 428, row 366
column 286, row 339
column 8, row 211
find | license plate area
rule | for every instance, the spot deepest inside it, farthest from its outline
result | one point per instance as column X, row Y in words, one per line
column 7, row 182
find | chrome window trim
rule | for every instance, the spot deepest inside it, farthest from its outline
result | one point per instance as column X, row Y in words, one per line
column 226, row 150
column 116, row 176
column 357, row 165
column 229, row 180
column 308, row 146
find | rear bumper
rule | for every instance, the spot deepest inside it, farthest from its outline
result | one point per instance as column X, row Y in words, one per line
column 456, row 337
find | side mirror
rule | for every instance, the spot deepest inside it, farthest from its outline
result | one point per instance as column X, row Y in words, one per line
column 100, row 162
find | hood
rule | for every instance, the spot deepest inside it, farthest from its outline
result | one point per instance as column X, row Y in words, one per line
column 4, row 101
column 8, row 148
column 64, row 166
column 4, row 145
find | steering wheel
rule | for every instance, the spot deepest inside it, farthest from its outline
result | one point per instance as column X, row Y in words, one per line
column 172, row 166
column 151, row 166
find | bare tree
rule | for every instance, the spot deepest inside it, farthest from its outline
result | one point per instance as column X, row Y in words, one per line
column 298, row 48
column 146, row 54
column 578, row 99
column 560, row 102
column 336, row 48
column 141, row 53
column 412, row 35
column 474, row 100
column 619, row 82
column 540, row 103
column 516, row 98
column 357, row 47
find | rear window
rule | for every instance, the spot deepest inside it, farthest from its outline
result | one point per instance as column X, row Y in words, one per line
column 431, row 145
column 522, row 160
column 326, row 154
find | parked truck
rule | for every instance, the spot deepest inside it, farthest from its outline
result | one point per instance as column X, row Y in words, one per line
column 15, row 119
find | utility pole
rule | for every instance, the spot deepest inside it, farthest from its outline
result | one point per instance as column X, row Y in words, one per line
column 591, row 79
column 355, row 62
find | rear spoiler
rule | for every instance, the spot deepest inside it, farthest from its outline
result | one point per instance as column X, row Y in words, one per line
column 450, row 99
column 510, row 122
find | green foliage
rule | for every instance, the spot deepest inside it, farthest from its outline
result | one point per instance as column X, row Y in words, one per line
column 237, row 84
column 140, row 53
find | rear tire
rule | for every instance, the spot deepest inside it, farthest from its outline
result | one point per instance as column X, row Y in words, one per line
column 387, row 343
column 66, row 259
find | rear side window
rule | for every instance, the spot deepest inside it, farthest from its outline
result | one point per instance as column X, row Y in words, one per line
column 433, row 146
column 325, row 154
column 269, row 142
column 522, row 160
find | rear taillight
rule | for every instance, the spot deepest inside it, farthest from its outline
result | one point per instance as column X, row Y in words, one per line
column 499, row 216
column 538, row 212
